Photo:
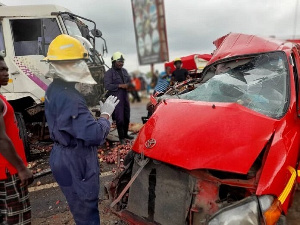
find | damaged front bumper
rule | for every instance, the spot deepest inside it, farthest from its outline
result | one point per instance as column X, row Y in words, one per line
column 164, row 194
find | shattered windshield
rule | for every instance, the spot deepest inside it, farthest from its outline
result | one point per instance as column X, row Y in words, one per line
column 258, row 83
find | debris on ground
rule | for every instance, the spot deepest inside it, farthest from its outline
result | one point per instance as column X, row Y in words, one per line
column 107, row 218
column 134, row 128
column 109, row 155
column 38, row 147
column 39, row 158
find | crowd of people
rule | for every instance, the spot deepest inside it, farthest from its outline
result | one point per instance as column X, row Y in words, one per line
column 159, row 81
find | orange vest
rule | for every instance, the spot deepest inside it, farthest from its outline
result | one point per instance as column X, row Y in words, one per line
column 12, row 132
column 137, row 83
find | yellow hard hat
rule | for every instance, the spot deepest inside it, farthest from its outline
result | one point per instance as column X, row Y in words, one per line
column 177, row 60
column 117, row 56
column 65, row 47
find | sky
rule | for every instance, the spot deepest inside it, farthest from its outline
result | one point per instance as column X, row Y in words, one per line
column 192, row 25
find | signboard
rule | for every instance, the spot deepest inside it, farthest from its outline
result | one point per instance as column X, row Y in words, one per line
column 150, row 31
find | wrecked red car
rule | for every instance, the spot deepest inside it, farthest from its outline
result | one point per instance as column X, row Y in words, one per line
column 226, row 152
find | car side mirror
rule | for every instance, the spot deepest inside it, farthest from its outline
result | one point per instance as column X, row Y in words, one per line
column 96, row 33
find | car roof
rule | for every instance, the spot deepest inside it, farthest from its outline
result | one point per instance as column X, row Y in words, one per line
column 235, row 44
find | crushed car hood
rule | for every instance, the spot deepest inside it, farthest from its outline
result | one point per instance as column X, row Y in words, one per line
column 202, row 135
column 235, row 44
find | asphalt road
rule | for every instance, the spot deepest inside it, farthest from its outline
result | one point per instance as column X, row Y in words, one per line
column 49, row 204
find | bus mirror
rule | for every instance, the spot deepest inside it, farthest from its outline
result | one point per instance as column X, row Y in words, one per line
column 96, row 33
column 2, row 53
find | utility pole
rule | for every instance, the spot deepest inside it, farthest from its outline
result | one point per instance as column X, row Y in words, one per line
column 295, row 19
column 152, row 68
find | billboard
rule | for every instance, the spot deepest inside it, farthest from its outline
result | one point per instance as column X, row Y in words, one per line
column 150, row 31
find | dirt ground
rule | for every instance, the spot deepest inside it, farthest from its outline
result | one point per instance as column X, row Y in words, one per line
column 106, row 217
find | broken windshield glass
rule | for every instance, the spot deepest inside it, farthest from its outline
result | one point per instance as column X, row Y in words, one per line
column 258, row 83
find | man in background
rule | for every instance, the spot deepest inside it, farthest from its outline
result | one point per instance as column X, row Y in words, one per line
column 163, row 82
column 154, row 79
column 116, row 82
column 137, row 87
column 180, row 74
column 14, row 175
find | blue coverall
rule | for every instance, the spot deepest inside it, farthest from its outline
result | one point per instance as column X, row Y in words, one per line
column 112, row 79
column 73, row 160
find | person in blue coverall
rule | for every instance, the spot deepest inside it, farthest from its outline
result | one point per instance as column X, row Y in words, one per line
column 116, row 82
column 75, row 132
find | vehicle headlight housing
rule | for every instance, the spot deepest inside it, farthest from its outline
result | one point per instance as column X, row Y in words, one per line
column 249, row 211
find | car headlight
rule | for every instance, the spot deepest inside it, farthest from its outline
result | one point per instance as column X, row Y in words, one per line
column 249, row 211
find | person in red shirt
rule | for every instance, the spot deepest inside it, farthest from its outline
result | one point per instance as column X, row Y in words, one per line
column 136, row 82
column 14, row 175
column 137, row 87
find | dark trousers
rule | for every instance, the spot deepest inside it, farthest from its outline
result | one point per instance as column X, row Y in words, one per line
column 77, row 173
column 122, row 114
column 135, row 96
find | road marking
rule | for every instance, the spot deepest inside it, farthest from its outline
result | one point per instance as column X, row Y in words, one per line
column 54, row 184
column 42, row 187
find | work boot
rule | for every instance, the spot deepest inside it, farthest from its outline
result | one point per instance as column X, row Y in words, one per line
column 122, row 141
column 129, row 137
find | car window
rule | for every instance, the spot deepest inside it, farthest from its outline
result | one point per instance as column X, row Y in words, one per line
column 258, row 82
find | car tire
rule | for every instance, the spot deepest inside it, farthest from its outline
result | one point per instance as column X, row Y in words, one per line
column 23, row 134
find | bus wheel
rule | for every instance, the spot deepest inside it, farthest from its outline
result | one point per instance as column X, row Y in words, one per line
column 23, row 134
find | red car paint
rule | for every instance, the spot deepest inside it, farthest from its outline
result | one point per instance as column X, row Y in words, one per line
column 217, row 138
column 229, row 137
column 240, row 44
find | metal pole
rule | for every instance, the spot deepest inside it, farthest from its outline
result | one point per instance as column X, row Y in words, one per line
column 295, row 19
column 152, row 68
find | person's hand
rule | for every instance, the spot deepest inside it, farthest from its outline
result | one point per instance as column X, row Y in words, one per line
column 25, row 176
column 124, row 86
column 109, row 105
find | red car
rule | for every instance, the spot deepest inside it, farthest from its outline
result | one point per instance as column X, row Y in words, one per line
column 225, row 153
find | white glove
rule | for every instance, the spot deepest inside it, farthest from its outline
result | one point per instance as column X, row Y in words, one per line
column 109, row 105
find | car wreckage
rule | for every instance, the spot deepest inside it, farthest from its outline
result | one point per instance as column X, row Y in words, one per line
column 226, row 152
